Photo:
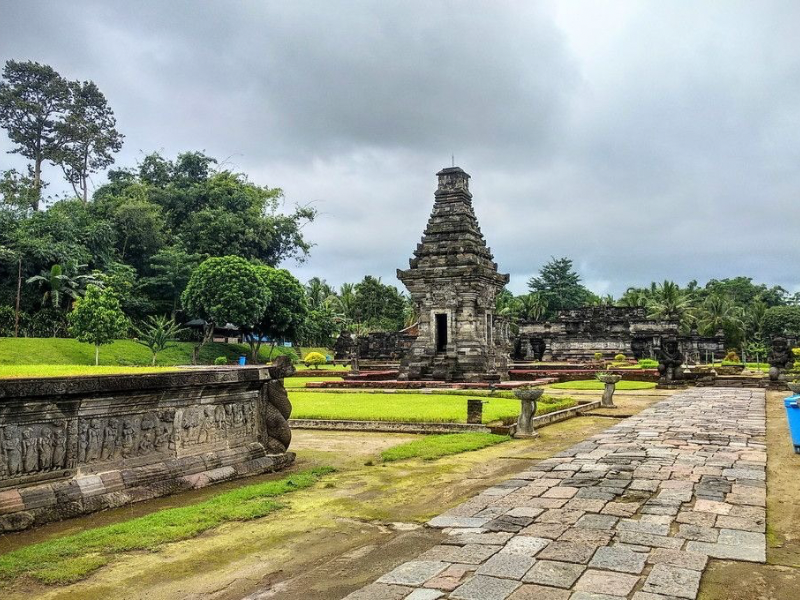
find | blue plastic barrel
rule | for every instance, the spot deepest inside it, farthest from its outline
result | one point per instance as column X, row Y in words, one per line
column 792, row 404
column 242, row 360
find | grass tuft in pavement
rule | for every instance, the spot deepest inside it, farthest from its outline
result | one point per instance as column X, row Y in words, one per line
column 434, row 446
column 73, row 557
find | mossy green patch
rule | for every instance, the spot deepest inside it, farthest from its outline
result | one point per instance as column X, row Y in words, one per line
column 73, row 557
column 435, row 446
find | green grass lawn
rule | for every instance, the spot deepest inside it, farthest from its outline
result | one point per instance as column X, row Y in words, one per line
column 73, row 557
column 434, row 446
column 19, row 371
column 593, row 384
column 753, row 366
column 63, row 351
column 407, row 407
column 300, row 382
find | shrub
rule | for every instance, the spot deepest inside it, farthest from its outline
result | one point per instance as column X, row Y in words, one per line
column 620, row 357
column 220, row 360
column 49, row 322
column 7, row 318
column 314, row 359
column 647, row 363
column 781, row 320
column 732, row 356
column 598, row 356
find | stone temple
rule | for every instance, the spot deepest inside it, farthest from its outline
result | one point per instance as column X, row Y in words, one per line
column 454, row 282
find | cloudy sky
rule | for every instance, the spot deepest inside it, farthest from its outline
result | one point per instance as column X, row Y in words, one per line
column 645, row 140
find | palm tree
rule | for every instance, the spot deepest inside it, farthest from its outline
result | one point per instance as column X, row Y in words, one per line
column 531, row 307
column 634, row 298
column 345, row 302
column 719, row 312
column 754, row 316
column 668, row 302
column 157, row 334
column 57, row 284
column 607, row 300
column 318, row 291
column 410, row 312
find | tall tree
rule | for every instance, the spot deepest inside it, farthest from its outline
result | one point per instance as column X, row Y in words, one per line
column 285, row 313
column 87, row 136
column 225, row 289
column 559, row 287
column 378, row 306
column 33, row 99
column 171, row 267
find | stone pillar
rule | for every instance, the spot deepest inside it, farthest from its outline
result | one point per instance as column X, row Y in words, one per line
column 475, row 411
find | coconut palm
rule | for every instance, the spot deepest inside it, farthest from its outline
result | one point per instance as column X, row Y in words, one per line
column 318, row 292
column 634, row 298
column 670, row 303
column 531, row 307
column 720, row 313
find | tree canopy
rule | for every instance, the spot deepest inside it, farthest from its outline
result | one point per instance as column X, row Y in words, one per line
column 558, row 287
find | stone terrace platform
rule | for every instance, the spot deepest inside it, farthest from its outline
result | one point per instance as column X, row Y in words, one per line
column 634, row 512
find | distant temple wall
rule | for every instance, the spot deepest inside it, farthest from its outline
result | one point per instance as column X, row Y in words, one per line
column 70, row 446
column 578, row 334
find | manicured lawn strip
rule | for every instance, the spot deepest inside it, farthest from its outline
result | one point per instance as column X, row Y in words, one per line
column 411, row 408
column 63, row 351
column 435, row 446
column 300, row 382
column 593, row 384
column 18, row 371
column 323, row 368
column 73, row 557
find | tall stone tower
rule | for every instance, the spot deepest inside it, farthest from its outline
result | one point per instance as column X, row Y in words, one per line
column 454, row 282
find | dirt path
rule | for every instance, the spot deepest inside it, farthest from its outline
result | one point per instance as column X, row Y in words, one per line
column 779, row 579
column 333, row 538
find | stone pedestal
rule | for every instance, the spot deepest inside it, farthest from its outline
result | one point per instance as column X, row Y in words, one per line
column 610, row 381
column 527, row 398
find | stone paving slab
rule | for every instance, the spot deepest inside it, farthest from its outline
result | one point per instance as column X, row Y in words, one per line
column 631, row 513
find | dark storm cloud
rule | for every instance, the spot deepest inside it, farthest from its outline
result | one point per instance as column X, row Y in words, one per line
column 653, row 140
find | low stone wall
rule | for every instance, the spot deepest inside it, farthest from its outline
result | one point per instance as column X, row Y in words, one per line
column 425, row 385
column 70, row 446
column 562, row 375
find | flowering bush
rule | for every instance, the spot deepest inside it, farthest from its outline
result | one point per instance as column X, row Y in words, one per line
column 314, row 359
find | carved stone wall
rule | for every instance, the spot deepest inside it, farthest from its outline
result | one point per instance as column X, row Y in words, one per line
column 377, row 346
column 454, row 281
column 578, row 333
column 70, row 446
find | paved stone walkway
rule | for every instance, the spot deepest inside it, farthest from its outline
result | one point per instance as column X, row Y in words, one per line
column 633, row 512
